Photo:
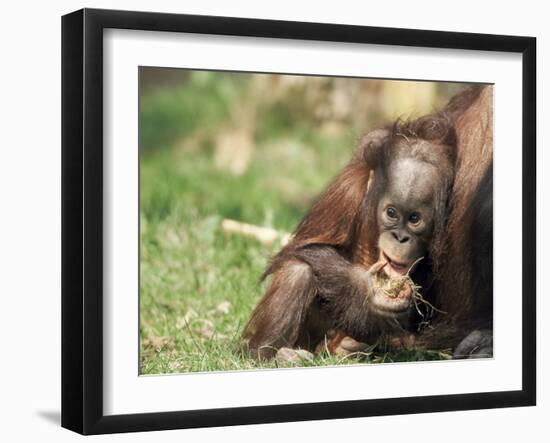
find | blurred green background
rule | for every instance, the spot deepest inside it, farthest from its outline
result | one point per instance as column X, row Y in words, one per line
column 256, row 148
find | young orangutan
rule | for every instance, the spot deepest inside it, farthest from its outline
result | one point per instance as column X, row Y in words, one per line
column 350, row 275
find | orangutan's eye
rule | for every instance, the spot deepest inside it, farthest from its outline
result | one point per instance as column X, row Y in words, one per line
column 391, row 212
column 414, row 218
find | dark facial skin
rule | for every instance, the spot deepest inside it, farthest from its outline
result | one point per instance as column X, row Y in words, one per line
column 405, row 214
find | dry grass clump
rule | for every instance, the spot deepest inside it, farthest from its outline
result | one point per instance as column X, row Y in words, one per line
column 392, row 287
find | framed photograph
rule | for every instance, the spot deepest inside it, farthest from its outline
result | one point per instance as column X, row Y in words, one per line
column 269, row 221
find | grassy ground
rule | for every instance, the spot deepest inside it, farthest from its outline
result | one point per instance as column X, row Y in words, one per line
column 199, row 284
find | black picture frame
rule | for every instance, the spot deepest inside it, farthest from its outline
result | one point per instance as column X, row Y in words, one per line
column 82, row 220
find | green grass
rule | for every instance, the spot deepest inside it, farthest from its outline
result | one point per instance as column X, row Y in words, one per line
column 189, row 266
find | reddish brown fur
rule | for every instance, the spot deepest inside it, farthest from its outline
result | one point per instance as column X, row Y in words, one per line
column 465, row 288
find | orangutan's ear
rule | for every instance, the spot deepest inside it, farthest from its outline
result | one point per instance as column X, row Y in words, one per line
column 371, row 145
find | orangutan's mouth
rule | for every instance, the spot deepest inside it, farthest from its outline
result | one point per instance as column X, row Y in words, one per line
column 395, row 268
